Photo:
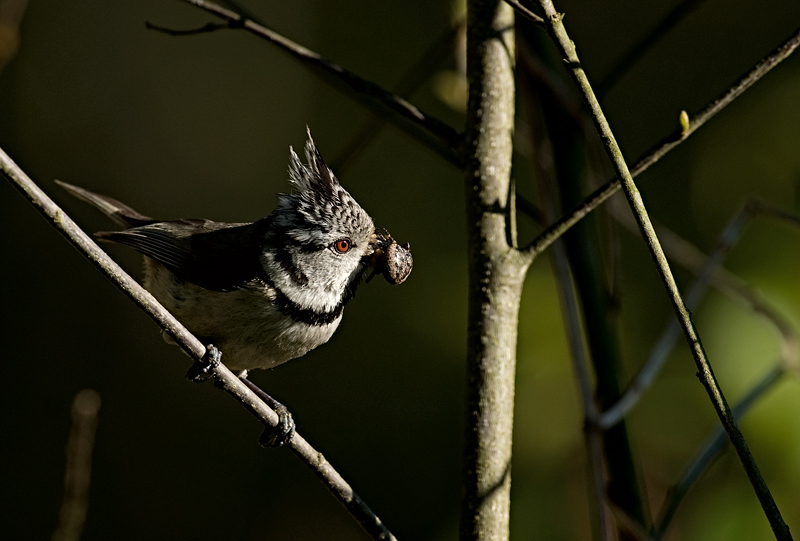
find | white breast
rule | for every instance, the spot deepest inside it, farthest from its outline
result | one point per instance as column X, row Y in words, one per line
column 244, row 324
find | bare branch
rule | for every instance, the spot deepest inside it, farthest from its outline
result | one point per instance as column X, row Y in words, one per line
column 581, row 367
column 600, row 195
column 566, row 47
column 78, row 474
column 418, row 74
column 642, row 46
column 525, row 12
column 429, row 130
column 709, row 271
column 225, row 379
column 713, row 448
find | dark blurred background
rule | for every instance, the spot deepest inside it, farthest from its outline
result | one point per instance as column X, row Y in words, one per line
column 200, row 127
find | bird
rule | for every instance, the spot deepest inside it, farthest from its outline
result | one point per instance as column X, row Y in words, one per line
column 265, row 292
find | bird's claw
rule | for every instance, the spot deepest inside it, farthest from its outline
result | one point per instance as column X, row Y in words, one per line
column 200, row 371
column 279, row 435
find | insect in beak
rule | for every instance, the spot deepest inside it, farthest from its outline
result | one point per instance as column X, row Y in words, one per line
column 390, row 259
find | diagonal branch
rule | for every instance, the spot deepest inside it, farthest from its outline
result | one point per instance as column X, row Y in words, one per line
column 645, row 44
column 427, row 129
column 224, row 378
column 567, row 49
column 600, row 195
column 413, row 78
column 708, row 271
column 712, row 449
column 525, row 12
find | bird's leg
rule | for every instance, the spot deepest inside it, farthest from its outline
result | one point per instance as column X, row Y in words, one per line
column 284, row 430
column 200, row 371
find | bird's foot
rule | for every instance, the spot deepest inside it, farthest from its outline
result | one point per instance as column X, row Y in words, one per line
column 200, row 371
column 282, row 432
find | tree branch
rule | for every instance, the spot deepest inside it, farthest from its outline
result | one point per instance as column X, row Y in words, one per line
column 592, row 435
column 708, row 271
column 600, row 195
column 545, row 171
column 713, row 448
column 78, row 474
column 525, row 12
column 429, row 130
column 413, row 78
column 566, row 47
column 642, row 46
column 496, row 272
column 191, row 345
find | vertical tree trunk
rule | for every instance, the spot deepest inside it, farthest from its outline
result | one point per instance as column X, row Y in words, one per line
column 496, row 271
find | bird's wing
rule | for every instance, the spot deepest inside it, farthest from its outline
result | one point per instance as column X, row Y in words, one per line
column 214, row 255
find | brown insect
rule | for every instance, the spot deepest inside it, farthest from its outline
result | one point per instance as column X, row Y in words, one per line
column 390, row 259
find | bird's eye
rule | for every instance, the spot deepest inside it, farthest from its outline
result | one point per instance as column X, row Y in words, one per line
column 342, row 245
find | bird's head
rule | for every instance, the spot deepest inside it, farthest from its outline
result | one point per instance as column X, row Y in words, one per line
column 320, row 239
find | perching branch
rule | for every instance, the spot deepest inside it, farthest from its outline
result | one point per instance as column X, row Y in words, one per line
column 566, row 47
column 429, row 130
column 224, row 378
column 600, row 195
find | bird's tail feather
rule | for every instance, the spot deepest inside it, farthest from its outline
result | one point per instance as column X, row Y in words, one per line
column 121, row 213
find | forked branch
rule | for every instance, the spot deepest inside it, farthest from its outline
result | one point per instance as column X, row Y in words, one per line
column 660, row 149
column 558, row 33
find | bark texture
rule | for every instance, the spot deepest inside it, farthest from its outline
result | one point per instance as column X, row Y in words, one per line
column 496, row 271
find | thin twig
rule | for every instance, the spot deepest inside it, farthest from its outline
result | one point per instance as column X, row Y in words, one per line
column 429, row 130
column 709, row 271
column 655, row 361
column 566, row 47
column 414, row 77
column 78, row 474
column 642, row 46
column 580, row 366
column 410, row 82
column 191, row 345
column 572, row 322
column 600, row 195
column 525, row 12
column 713, row 448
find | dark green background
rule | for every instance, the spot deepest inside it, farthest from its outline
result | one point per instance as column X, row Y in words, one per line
column 200, row 127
